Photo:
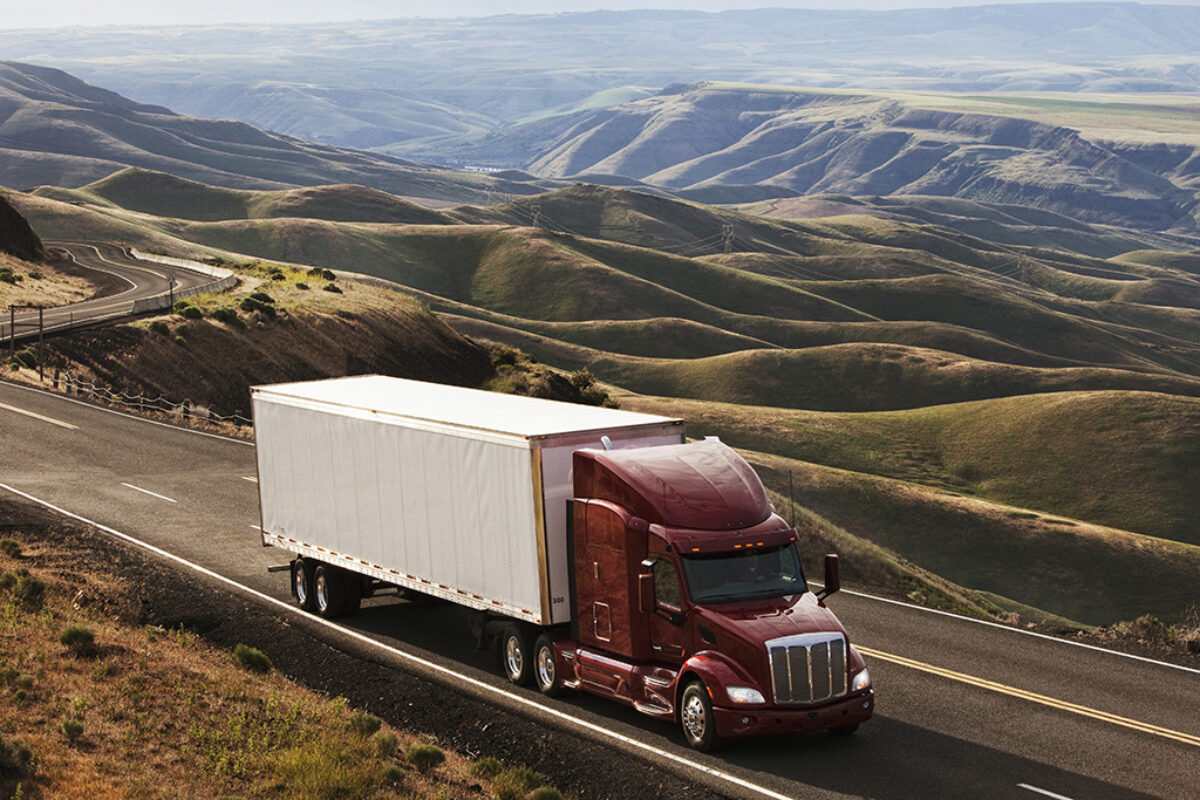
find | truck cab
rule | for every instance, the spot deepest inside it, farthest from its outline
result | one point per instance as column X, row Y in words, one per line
column 691, row 604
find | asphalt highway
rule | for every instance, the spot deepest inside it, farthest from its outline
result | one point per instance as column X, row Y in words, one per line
column 142, row 278
column 964, row 709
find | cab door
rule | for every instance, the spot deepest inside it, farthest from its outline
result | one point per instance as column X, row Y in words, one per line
column 667, row 620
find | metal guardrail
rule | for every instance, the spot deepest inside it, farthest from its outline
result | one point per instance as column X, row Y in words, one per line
column 225, row 279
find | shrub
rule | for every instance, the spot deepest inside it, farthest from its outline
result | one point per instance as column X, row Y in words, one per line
column 72, row 729
column 262, row 297
column 191, row 312
column 386, row 744
column 24, row 682
column 179, row 340
column 27, row 591
column 393, row 775
column 315, row 272
column 26, row 358
column 10, row 547
column 252, row 305
column 79, row 640
column 8, row 674
column 425, row 757
column 516, row 783
column 487, row 767
column 303, row 286
column 158, row 326
column 328, row 275
column 251, row 658
column 546, row 793
column 36, row 275
column 329, row 287
column 15, row 758
column 8, row 276
column 224, row 314
column 1151, row 627
column 363, row 723
column 278, row 276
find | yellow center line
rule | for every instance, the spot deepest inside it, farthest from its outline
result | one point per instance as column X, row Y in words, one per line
column 51, row 420
column 1012, row 691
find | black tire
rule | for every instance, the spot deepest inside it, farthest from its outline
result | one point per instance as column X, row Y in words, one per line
column 516, row 654
column 697, row 719
column 545, row 667
column 329, row 590
column 354, row 594
column 302, row 584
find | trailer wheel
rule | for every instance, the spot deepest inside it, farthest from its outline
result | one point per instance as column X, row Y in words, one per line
column 329, row 584
column 696, row 717
column 545, row 667
column 516, row 654
column 302, row 584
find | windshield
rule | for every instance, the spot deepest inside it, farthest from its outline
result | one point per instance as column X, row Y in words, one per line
column 745, row 575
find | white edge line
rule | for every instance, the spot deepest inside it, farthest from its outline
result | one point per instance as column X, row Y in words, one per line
column 429, row 665
column 959, row 617
column 250, row 478
column 126, row 414
column 147, row 491
column 41, row 417
column 1029, row 788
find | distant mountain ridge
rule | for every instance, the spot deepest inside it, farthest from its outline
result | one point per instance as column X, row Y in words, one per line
column 57, row 129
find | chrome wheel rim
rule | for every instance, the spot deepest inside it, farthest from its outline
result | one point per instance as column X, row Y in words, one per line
column 695, row 723
column 545, row 667
column 301, row 585
column 513, row 657
column 322, row 592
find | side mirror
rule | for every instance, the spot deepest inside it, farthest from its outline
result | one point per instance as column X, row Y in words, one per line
column 833, row 579
column 646, row 593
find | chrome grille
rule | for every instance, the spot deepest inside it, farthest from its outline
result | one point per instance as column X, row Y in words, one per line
column 808, row 668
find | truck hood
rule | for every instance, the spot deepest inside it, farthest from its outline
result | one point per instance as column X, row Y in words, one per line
column 758, row 621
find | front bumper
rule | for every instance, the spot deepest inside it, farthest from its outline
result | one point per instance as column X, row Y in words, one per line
column 733, row 723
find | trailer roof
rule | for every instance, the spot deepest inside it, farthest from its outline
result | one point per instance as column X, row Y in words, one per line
column 456, row 405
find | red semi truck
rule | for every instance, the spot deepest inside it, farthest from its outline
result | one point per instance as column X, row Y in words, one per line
column 600, row 550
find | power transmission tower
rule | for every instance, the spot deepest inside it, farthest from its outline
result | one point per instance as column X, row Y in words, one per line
column 727, row 234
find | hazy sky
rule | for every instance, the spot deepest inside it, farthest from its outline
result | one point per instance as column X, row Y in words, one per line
column 47, row 13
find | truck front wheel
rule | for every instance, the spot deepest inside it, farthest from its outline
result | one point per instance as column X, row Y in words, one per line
column 329, row 586
column 516, row 653
column 545, row 667
column 696, row 717
column 302, row 584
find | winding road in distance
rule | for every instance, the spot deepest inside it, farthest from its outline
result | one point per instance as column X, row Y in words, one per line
column 964, row 709
column 143, row 279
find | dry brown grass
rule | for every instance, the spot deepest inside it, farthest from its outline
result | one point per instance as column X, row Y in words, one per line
column 164, row 715
column 52, row 289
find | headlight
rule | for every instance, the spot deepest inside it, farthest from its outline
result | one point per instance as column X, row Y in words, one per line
column 861, row 681
column 744, row 694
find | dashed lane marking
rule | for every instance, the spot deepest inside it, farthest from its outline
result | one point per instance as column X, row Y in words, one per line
column 1043, row 792
column 41, row 417
column 147, row 491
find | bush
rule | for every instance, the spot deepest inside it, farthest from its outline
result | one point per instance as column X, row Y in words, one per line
column 191, row 312
column 72, row 729
column 179, row 340
column 363, row 723
column 10, row 547
column 36, row 275
column 79, row 640
column 28, row 591
column 15, row 758
column 393, row 775
column 425, row 757
column 251, row 658
column 303, row 286
column 224, row 314
column 487, row 767
column 158, row 326
column 1151, row 627
column 329, row 287
column 8, row 276
column 546, row 793
column 386, row 744
column 26, row 358
column 262, row 297
column 515, row 783
column 252, row 305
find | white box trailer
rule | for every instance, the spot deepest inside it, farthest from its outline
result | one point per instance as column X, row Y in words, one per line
column 452, row 492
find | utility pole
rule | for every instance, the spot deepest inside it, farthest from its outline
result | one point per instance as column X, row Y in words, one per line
column 537, row 215
column 171, row 282
column 727, row 233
